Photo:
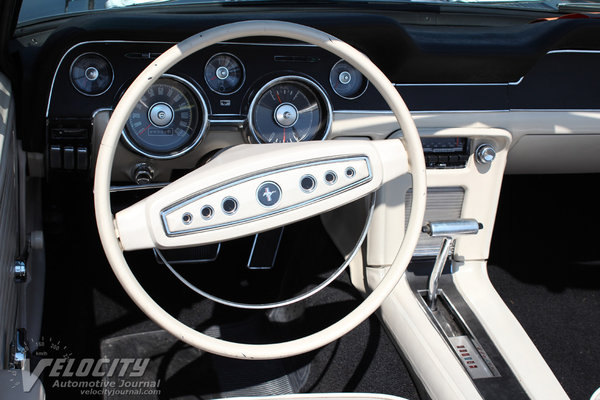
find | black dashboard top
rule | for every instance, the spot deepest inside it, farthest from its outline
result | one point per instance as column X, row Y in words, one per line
column 438, row 61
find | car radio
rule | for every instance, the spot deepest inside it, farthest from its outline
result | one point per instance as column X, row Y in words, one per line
column 445, row 152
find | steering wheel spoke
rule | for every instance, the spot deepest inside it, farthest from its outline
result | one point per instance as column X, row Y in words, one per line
column 223, row 200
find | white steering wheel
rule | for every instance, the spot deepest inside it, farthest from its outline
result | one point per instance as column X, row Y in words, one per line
column 170, row 218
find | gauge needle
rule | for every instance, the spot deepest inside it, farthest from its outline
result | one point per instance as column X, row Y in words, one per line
column 277, row 94
column 284, row 134
column 144, row 130
column 184, row 108
column 311, row 107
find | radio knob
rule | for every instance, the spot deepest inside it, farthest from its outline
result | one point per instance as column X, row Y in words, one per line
column 485, row 153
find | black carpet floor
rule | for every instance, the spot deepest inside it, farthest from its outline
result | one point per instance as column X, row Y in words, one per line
column 545, row 263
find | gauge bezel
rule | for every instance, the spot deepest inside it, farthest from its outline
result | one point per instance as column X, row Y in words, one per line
column 203, row 125
column 112, row 73
column 223, row 53
column 336, row 92
column 285, row 79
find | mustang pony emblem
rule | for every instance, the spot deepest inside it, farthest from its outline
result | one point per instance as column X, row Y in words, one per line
column 267, row 193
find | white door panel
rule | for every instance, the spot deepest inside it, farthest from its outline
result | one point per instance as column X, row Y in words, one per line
column 9, row 235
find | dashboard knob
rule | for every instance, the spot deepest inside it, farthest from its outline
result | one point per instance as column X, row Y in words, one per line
column 485, row 153
column 143, row 174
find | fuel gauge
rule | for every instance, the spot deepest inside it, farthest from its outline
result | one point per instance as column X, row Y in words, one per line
column 224, row 73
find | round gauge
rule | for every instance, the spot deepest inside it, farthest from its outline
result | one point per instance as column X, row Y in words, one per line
column 289, row 109
column 347, row 81
column 91, row 74
column 224, row 73
column 169, row 120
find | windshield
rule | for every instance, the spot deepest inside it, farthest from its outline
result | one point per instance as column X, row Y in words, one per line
column 36, row 9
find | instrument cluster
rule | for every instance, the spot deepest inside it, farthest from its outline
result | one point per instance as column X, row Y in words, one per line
column 288, row 104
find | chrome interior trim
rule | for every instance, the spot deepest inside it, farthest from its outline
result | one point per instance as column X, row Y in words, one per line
column 237, row 122
column 98, row 111
column 388, row 112
column 421, row 294
column 456, row 84
column 295, row 299
column 573, row 51
column 199, row 136
column 193, row 198
column 129, row 188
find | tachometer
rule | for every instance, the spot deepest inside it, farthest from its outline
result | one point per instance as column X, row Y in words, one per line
column 289, row 109
column 169, row 120
column 224, row 73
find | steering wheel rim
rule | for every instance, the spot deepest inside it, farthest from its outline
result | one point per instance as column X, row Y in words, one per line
column 109, row 234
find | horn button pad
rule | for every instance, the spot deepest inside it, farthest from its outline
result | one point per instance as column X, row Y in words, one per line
column 265, row 194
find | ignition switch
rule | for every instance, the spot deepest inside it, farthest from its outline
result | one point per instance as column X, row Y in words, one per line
column 143, row 174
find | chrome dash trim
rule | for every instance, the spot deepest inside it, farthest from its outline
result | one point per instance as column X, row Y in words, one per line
column 573, row 51
column 388, row 112
column 130, row 188
column 168, row 210
column 458, row 84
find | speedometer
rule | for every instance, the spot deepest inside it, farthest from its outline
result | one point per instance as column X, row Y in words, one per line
column 289, row 109
column 169, row 120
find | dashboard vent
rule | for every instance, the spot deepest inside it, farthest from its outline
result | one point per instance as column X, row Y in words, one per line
column 443, row 203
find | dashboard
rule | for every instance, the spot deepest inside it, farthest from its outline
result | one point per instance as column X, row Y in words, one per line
column 274, row 92
column 525, row 78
